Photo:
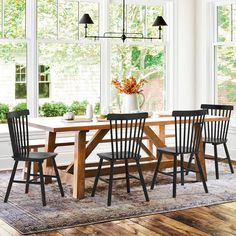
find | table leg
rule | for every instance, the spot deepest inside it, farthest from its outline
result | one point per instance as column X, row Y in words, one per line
column 49, row 147
column 79, row 164
column 162, row 133
column 202, row 161
column 152, row 135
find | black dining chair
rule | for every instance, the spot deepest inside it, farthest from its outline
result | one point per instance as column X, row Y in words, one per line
column 188, row 128
column 126, row 132
column 216, row 132
column 19, row 134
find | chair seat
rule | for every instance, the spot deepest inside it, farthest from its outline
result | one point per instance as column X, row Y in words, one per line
column 36, row 156
column 214, row 140
column 108, row 156
column 172, row 150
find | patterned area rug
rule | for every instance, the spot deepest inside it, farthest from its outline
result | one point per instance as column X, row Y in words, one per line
column 27, row 215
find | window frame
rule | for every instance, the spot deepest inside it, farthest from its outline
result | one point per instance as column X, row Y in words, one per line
column 213, row 38
column 20, row 81
column 167, row 43
column 32, row 43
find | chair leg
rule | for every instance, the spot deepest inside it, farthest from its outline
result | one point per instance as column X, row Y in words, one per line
column 182, row 168
column 228, row 158
column 42, row 183
column 142, row 180
column 96, row 178
column 11, row 181
column 28, row 177
column 127, row 176
column 58, row 177
column 189, row 163
column 174, row 176
column 154, row 179
column 201, row 173
column 110, row 183
column 216, row 162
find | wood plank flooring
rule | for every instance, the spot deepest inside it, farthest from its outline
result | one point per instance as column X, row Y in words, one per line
column 217, row 220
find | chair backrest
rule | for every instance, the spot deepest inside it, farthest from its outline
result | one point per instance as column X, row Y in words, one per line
column 126, row 134
column 19, row 134
column 217, row 129
column 188, row 128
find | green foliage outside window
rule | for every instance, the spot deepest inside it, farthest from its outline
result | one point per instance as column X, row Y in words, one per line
column 4, row 108
column 79, row 108
column 97, row 108
column 20, row 106
column 50, row 109
column 226, row 54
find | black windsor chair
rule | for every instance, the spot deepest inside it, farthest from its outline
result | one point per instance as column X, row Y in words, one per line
column 215, row 133
column 19, row 134
column 126, row 132
column 188, row 128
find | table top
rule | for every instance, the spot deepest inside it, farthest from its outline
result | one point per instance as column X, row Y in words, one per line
column 56, row 124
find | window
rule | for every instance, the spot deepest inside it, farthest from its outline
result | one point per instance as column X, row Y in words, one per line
column 74, row 66
column 225, row 54
column 44, row 81
column 47, row 50
column 20, row 91
column 13, row 52
column 137, row 58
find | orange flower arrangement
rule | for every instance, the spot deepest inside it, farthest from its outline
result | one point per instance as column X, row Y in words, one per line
column 129, row 86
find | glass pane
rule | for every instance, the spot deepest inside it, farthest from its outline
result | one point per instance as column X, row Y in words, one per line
column 47, row 19
column 44, row 90
column 44, row 73
column 135, row 19
column 14, row 20
column 10, row 55
column 226, row 75
column 92, row 10
column 115, row 17
column 20, row 91
column 134, row 22
column 18, row 77
column 23, row 71
column 0, row 19
column 74, row 72
column 152, row 13
column 68, row 19
column 141, row 62
column 224, row 23
column 234, row 22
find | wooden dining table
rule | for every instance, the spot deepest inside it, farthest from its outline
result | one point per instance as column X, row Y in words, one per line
column 78, row 170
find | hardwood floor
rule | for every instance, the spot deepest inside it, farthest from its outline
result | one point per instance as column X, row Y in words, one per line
column 219, row 220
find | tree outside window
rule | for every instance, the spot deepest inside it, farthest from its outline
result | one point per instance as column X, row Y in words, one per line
column 225, row 55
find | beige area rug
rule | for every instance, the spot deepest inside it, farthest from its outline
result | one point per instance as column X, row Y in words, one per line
column 27, row 215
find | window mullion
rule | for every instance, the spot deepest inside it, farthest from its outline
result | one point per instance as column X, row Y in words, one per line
column 32, row 68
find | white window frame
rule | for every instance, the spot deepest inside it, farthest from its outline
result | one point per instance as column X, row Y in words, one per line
column 32, row 50
column 167, row 43
column 213, row 45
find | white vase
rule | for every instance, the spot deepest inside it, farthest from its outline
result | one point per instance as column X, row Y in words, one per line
column 89, row 111
column 130, row 103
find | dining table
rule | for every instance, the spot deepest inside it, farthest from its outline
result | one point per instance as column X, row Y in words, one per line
column 75, row 173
